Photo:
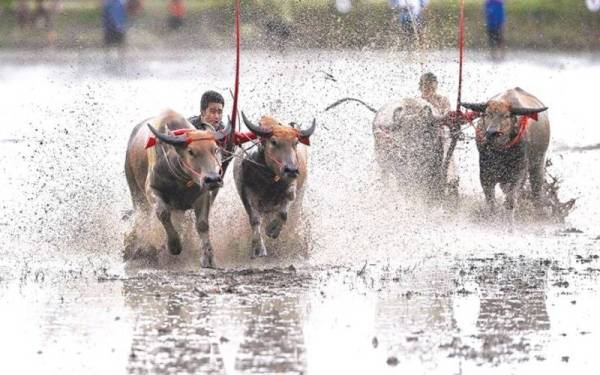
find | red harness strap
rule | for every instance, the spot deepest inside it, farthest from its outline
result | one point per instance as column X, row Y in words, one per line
column 523, row 125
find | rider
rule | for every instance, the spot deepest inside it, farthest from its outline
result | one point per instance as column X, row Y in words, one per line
column 211, row 115
column 450, row 121
column 211, row 111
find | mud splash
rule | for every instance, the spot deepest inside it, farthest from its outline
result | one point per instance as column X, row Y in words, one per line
column 383, row 285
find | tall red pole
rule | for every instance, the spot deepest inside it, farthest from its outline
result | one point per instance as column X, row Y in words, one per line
column 230, row 146
column 461, row 48
column 237, row 68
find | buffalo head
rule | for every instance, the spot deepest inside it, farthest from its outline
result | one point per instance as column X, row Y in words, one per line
column 280, row 144
column 499, row 124
column 198, row 154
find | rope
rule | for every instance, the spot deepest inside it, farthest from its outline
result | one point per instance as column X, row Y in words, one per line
column 335, row 104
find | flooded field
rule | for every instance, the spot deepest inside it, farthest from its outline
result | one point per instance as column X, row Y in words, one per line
column 368, row 282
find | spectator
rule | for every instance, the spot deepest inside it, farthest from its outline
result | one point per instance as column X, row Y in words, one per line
column 114, row 19
column 42, row 17
column 343, row 6
column 408, row 13
column 23, row 14
column 134, row 7
column 495, row 18
column 176, row 14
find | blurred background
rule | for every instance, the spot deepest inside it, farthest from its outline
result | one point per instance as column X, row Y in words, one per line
column 187, row 24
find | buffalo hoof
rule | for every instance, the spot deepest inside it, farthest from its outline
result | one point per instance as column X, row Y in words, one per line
column 274, row 228
column 174, row 246
column 207, row 260
column 258, row 249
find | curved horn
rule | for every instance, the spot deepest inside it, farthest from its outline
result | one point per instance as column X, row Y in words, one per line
column 477, row 107
column 221, row 134
column 172, row 140
column 256, row 129
column 520, row 111
column 308, row 132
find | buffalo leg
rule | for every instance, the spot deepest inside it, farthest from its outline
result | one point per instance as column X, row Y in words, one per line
column 258, row 246
column 202, row 210
column 536, row 180
column 510, row 190
column 488, row 191
column 163, row 212
column 274, row 228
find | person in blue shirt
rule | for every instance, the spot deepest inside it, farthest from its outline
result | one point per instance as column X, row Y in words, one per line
column 495, row 18
column 114, row 20
column 408, row 13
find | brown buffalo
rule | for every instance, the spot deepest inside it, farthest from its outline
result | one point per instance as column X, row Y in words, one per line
column 179, row 172
column 512, row 139
column 270, row 178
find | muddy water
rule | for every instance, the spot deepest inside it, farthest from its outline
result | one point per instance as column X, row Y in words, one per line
column 377, row 284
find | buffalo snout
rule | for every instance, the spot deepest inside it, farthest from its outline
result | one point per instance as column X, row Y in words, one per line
column 213, row 181
column 493, row 134
column 291, row 172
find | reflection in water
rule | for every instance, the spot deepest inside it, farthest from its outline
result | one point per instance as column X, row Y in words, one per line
column 216, row 322
column 513, row 295
column 512, row 304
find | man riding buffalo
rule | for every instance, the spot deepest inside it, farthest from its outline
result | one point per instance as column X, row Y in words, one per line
column 271, row 178
column 171, row 165
column 211, row 111
column 512, row 139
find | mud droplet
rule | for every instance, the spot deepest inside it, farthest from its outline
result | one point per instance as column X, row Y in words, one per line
column 565, row 358
column 375, row 342
column 392, row 361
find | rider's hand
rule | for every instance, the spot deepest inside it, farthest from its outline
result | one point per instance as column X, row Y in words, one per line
column 456, row 118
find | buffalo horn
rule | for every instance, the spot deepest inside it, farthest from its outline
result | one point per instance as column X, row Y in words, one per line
column 519, row 111
column 308, row 132
column 181, row 140
column 221, row 134
column 477, row 107
column 262, row 132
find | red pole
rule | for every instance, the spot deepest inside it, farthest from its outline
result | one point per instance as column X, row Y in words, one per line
column 237, row 68
column 461, row 48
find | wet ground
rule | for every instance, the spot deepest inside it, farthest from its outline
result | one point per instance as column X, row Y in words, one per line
column 370, row 283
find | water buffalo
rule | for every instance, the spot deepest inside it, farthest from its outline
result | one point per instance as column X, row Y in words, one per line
column 270, row 178
column 178, row 172
column 409, row 145
column 512, row 139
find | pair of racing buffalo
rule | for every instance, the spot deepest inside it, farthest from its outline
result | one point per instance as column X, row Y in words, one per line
column 512, row 136
column 172, row 165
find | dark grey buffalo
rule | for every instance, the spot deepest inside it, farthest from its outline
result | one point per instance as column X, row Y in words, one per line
column 512, row 139
column 271, row 178
column 178, row 172
column 410, row 145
